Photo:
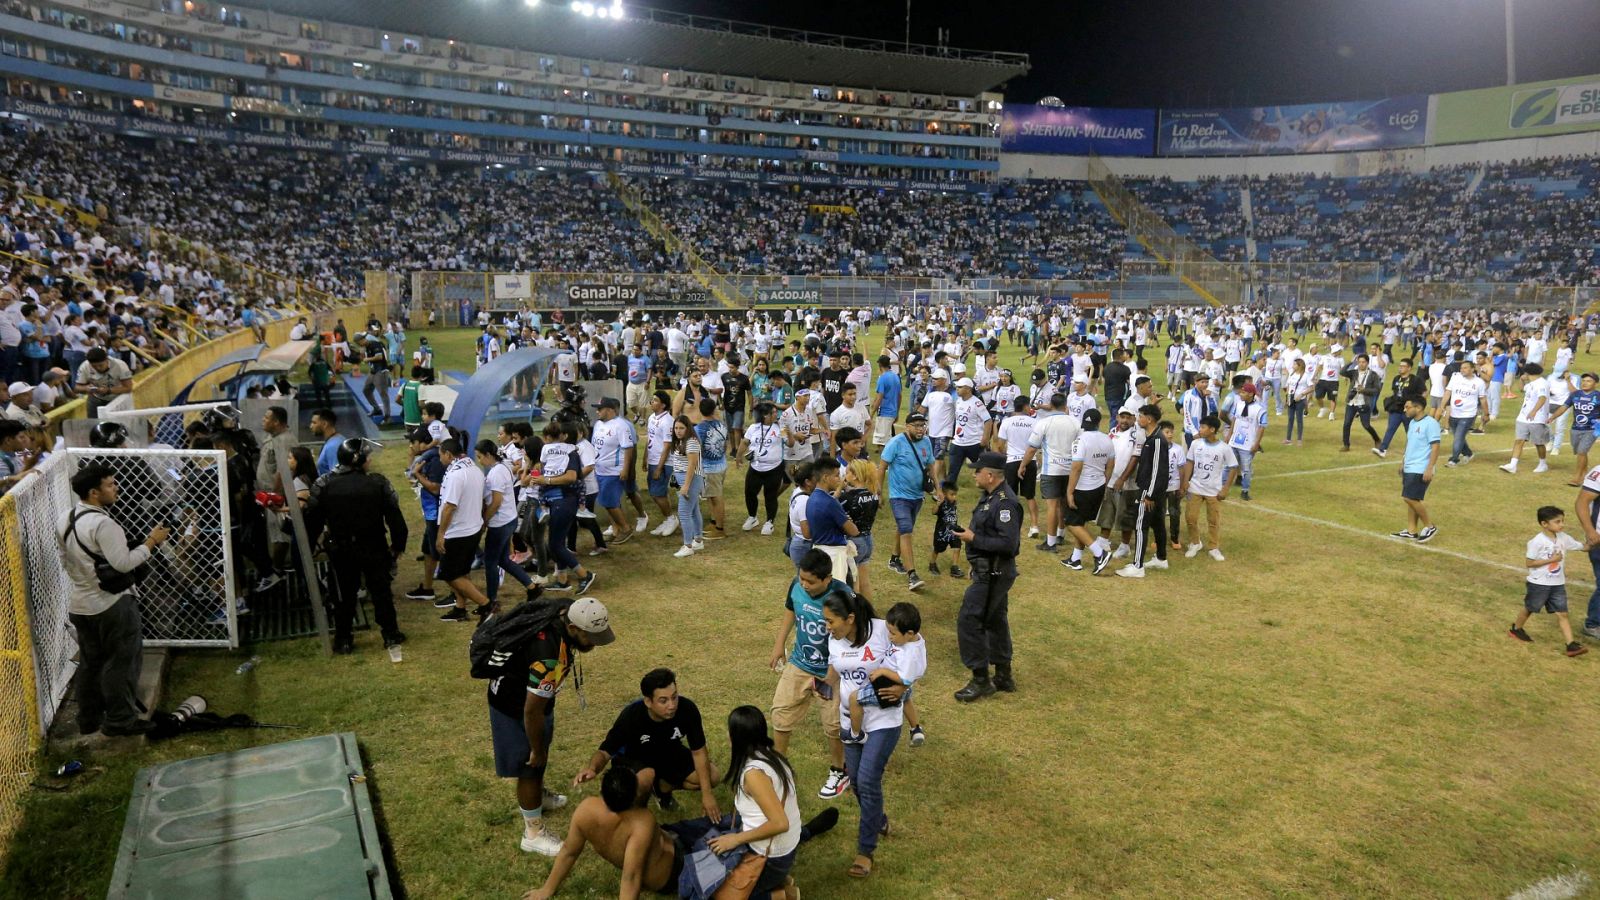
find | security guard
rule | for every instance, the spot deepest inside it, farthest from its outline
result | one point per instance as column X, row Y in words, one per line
column 355, row 506
column 992, row 539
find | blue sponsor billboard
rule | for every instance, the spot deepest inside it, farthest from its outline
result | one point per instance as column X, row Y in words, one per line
column 1077, row 130
column 1299, row 128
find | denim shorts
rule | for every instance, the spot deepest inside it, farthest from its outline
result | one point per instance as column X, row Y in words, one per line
column 511, row 747
column 660, row 485
column 610, row 491
column 863, row 544
column 905, row 514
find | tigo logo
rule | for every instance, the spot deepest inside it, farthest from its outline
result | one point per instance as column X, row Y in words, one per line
column 1535, row 109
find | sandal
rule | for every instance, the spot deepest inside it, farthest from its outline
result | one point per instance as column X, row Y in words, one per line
column 857, row 870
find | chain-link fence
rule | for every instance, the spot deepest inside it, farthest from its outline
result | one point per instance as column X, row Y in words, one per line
column 20, row 726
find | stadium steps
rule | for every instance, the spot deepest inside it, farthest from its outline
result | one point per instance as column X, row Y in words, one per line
column 719, row 285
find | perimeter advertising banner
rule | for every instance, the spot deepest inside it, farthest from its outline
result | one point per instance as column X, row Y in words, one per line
column 1077, row 130
column 1524, row 110
column 1302, row 128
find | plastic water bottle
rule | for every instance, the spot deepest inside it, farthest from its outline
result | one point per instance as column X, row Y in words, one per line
column 247, row 665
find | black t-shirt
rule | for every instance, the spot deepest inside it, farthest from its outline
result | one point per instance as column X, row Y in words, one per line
column 735, row 387
column 1116, row 376
column 636, row 734
column 833, row 386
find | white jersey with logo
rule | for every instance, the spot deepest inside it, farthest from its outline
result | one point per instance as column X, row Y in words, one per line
column 1247, row 426
column 658, row 434
column 1078, row 404
column 1015, row 430
column 1532, row 393
column 1211, row 461
column 1543, row 546
column 970, row 416
column 1466, row 392
column 941, row 407
column 1094, row 450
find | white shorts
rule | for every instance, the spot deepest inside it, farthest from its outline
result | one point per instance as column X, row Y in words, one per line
column 882, row 430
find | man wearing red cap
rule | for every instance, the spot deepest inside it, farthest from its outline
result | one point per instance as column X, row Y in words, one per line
column 1249, row 419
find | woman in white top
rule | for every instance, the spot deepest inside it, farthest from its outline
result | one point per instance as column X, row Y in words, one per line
column 858, row 643
column 683, row 455
column 1297, row 393
column 766, row 802
column 764, row 441
column 1005, row 395
column 500, row 520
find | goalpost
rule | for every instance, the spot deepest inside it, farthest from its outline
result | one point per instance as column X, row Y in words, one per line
column 919, row 302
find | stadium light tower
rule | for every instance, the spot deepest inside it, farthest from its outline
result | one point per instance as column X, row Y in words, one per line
column 1511, row 42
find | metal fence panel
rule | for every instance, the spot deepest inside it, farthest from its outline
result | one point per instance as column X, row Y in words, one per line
column 189, row 598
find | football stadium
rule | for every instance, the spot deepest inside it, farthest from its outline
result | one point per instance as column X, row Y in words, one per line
column 1148, row 455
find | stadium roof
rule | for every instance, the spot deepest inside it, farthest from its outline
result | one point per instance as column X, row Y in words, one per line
column 675, row 40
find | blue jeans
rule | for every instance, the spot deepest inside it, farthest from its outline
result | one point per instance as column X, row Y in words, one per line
column 797, row 548
column 1397, row 422
column 1247, row 467
column 497, row 556
column 865, row 763
column 563, row 518
column 1592, row 618
column 694, row 527
column 1458, row 438
column 1297, row 419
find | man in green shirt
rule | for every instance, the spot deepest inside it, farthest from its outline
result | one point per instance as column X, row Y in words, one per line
column 411, row 401
column 321, row 375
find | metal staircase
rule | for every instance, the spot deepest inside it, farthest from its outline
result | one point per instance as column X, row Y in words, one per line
column 716, row 283
column 1213, row 281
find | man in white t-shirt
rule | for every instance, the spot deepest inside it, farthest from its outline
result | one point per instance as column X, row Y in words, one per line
column 1080, row 400
column 1012, row 438
column 614, row 440
column 460, row 523
column 940, row 407
column 1093, row 458
column 1050, row 446
column 1533, row 419
column 1544, row 561
column 1466, row 401
column 658, row 476
column 850, row 413
column 1208, row 472
column 973, row 429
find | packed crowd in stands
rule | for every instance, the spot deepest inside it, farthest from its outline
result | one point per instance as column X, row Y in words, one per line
column 1532, row 221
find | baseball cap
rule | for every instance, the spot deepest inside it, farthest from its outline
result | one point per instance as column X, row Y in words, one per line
column 19, row 387
column 965, row 382
column 1080, row 379
column 940, row 373
column 916, row 419
column 1248, row 386
column 592, row 618
column 958, row 367
column 608, row 403
column 1038, row 375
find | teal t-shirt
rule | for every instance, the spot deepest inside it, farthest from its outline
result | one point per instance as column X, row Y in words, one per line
column 810, row 653
column 1421, row 435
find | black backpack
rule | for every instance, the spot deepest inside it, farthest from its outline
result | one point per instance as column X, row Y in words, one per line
column 500, row 638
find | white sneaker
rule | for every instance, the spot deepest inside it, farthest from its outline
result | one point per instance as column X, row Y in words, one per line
column 584, row 513
column 1541, row 467
column 1121, row 552
column 684, row 551
column 751, row 523
column 838, row 782
column 1192, row 551
column 767, row 528
column 1131, row 571
column 553, row 800
column 1509, row 467
column 541, row 842
column 1033, row 531
column 1156, row 564
column 610, row 532
column 1217, row 555
column 644, row 522
column 671, row 525
column 699, row 544
column 1555, row 449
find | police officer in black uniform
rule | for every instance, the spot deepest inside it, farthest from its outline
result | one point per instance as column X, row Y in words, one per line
column 982, row 630
column 356, row 507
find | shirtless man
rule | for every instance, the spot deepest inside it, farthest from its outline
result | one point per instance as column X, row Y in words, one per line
column 625, row 834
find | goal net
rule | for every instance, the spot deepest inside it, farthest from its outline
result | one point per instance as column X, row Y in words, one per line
column 972, row 303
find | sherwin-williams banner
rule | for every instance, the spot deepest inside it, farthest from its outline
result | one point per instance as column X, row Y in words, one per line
column 1301, row 128
column 1524, row 110
column 1077, row 130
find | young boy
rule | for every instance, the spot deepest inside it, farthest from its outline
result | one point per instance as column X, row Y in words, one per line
column 905, row 664
column 946, row 522
column 1547, row 580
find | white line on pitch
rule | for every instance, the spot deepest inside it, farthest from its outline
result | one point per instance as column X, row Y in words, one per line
column 1362, row 466
column 1388, row 538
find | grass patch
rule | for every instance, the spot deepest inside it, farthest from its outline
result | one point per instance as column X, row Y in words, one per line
column 1324, row 713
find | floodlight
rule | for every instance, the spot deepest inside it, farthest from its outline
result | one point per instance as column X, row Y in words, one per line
column 531, row 3
column 602, row 12
column 616, row 9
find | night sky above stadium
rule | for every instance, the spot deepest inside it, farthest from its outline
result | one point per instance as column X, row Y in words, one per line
column 1225, row 52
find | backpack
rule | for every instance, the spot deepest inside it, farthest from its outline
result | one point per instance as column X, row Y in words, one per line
column 500, row 638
